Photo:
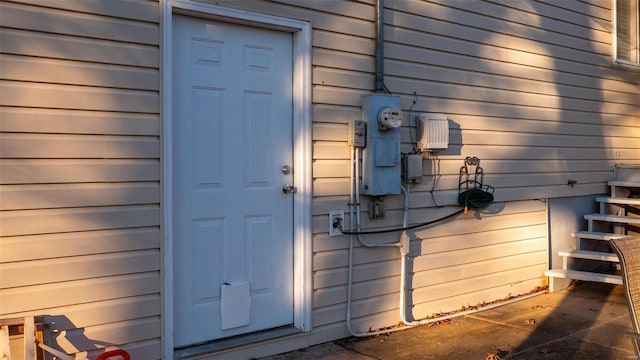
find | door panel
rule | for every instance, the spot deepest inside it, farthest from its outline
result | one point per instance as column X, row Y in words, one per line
column 232, row 134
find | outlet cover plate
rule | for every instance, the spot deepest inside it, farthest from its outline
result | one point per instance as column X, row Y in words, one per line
column 333, row 215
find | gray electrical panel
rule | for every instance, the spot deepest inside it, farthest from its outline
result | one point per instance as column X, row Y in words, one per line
column 381, row 161
column 412, row 168
column 357, row 134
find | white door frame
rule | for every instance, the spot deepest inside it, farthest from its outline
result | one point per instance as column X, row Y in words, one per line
column 302, row 271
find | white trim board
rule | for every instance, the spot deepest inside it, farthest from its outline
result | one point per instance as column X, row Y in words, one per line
column 301, row 32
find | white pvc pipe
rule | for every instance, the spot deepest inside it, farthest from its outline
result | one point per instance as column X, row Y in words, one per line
column 403, row 246
column 351, row 223
column 410, row 324
column 404, row 252
column 351, row 190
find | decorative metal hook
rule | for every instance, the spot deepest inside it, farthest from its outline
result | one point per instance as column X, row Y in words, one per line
column 471, row 191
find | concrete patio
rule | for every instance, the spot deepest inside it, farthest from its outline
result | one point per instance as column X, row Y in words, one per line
column 586, row 321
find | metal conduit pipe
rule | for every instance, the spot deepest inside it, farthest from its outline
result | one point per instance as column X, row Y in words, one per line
column 380, row 46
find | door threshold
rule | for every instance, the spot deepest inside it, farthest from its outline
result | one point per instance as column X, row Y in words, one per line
column 184, row 353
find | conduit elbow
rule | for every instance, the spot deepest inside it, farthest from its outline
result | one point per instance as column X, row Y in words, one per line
column 404, row 244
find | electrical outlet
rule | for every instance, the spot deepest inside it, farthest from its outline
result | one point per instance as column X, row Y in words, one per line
column 336, row 222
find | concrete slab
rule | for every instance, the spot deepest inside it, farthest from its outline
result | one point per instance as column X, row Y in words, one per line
column 608, row 334
column 464, row 338
column 586, row 321
column 328, row 351
column 569, row 349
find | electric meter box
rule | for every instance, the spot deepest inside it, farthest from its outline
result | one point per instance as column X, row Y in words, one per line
column 381, row 161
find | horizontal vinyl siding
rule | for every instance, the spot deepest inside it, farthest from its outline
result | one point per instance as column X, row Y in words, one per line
column 528, row 89
column 529, row 102
column 455, row 264
column 518, row 84
column 531, row 84
column 80, row 171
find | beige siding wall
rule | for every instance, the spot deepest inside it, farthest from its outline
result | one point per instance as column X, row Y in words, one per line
column 79, row 169
column 529, row 90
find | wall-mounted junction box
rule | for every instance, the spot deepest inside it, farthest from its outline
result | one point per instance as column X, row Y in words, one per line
column 412, row 168
column 357, row 134
column 433, row 132
column 381, row 158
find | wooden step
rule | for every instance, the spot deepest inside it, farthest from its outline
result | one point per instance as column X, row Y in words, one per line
column 590, row 255
column 623, row 183
column 585, row 276
column 620, row 167
column 612, row 218
column 621, row 187
column 594, row 235
column 627, row 172
column 620, row 201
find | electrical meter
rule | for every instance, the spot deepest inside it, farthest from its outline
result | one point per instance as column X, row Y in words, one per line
column 381, row 158
column 389, row 118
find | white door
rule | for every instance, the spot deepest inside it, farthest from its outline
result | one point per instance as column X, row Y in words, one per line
column 232, row 154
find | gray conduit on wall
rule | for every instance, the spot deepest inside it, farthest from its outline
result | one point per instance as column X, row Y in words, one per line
column 380, row 46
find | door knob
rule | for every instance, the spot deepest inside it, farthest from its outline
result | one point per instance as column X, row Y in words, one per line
column 289, row 189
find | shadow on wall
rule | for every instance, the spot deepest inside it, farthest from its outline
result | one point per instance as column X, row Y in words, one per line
column 59, row 334
column 81, row 170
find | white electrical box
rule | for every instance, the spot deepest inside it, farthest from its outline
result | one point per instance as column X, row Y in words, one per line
column 433, row 132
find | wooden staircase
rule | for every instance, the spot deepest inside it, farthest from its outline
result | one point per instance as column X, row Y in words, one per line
column 619, row 216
